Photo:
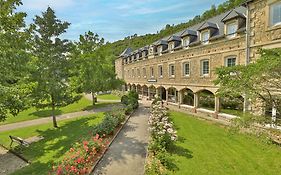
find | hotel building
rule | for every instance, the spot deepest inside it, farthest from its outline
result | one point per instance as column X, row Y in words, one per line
column 180, row 68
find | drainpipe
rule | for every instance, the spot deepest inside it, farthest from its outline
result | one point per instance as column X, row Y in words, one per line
column 247, row 61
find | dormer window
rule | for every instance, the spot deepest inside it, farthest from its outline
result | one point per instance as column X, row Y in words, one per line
column 185, row 42
column 171, row 46
column 275, row 14
column 231, row 29
column 205, row 37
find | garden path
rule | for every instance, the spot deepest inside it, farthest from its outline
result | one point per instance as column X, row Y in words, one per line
column 128, row 151
column 45, row 120
column 9, row 162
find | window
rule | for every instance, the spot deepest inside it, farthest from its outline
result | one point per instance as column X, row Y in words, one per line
column 275, row 14
column 171, row 46
column 205, row 67
column 172, row 70
column 144, row 72
column 231, row 29
column 133, row 73
column 159, row 49
column 185, row 42
column 205, row 37
column 128, row 73
column 138, row 72
column 160, row 71
column 151, row 72
column 186, row 69
column 229, row 62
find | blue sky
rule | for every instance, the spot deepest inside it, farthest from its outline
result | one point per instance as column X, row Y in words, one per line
column 116, row 19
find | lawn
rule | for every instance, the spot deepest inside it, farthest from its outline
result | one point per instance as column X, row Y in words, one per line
column 56, row 142
column 108, row 97
column 207, row 148
column 32, row 113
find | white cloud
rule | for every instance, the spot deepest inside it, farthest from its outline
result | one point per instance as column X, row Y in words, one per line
column 43, row 4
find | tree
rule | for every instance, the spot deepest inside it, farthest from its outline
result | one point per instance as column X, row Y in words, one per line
column 13, row 59
column 259, row 80
column 51, row 71
column 95, row 71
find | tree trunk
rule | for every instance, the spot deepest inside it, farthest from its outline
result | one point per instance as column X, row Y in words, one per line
column 94, row 99
column 54, row 116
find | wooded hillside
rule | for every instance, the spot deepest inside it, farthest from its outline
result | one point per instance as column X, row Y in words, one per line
column 136, row 42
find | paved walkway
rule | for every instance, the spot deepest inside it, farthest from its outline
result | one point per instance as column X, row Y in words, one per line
column 28, row 123
column 126, row 155
column 9, row 162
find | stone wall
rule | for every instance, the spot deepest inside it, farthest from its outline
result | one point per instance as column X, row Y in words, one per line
column 119, row 68
column 262, row 34
column 216, row 52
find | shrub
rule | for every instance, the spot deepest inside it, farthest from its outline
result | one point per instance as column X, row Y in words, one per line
column 156, row 100
column 107, row 126
column 119, row 114
column 125, row 100
column 133, row 94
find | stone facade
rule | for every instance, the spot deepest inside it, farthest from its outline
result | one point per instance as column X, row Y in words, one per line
column 253, row 32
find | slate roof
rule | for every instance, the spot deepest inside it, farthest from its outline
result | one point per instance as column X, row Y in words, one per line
column 189, row 32
column 232, row 15
column 215, row 22
column 174, row 38
column 126, row 52
column 208, row 25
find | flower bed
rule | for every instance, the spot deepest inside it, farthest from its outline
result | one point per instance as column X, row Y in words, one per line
column 162, row 137
column 81, row 158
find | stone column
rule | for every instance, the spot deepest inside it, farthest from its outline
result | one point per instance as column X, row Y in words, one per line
column 180, row 98
column 161, row 94
column 196, row 102
column 167, row 96
column 142, row 91
column 148, row 94
column 217, row 106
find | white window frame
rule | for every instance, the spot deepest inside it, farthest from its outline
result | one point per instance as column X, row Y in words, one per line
column 160, row 71
column 271, row 13
column 232, row 34
column 228, row 58
column 184, row 69
column 172, row 74
column 171, row 45
column 207, row 32
column 202, row 67
column 186, row 42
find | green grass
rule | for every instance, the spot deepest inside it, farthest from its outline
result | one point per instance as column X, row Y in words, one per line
column 207, row 148
column 32, row 113
column 55, row 144
column 108, row 97
column 232, row 112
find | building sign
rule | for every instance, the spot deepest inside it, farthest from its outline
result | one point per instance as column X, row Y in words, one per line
column 152, row 81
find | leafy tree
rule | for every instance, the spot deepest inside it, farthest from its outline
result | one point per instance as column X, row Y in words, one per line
column 259, row 80
column 95, row 69
column 51, row 71
column 13, row 59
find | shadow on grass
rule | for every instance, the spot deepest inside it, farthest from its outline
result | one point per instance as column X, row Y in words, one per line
column 100, row 105
column 46, row 113
column 45, row 153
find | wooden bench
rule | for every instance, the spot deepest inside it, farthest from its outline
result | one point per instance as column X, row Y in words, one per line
column 19, row 140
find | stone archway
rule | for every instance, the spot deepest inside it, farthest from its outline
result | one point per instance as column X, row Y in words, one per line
column 206, row 100
column 162, row 94
column 187, row 97
column 172, row 95
column 145, row 90
column 152, row 92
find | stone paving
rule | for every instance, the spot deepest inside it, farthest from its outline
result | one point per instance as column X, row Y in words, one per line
column 9, row 162
column 126, row 155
